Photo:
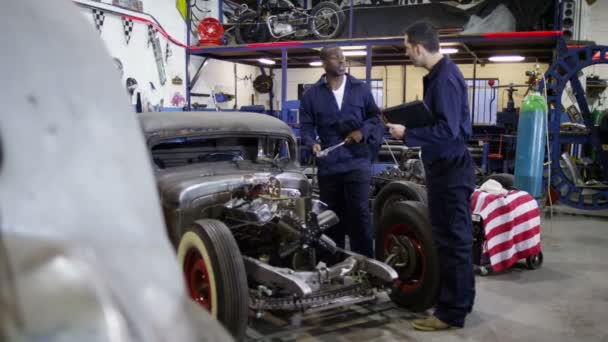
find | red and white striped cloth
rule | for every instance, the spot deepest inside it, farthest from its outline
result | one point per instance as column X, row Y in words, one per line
column 512, row 226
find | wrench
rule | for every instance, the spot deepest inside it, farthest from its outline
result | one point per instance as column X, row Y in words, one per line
column 325, row 152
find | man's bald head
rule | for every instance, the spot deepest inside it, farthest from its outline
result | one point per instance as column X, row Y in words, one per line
column 329, row 51
column 333, row 61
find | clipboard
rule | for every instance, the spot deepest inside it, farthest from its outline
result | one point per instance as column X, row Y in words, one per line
column 411, row 115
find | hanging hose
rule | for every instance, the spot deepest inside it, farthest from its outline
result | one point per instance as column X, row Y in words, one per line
column 391, row 151
column 549, row 162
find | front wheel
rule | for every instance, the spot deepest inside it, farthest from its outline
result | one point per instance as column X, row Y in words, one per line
column 215, row 273
column 327, row 20
column 404, row 241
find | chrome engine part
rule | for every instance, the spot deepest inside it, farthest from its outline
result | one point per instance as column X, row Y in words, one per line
column 301, row 267
column 278, row 25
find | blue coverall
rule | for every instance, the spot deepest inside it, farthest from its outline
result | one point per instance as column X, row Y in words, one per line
column 344, row 175
column 450, row 182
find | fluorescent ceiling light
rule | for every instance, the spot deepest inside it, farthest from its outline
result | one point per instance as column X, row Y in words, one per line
column 506, row 58
column 266, row 61
column 346, row 48
column 355, row 53
column 316, row 63
column 448, row 50
column 362, row 47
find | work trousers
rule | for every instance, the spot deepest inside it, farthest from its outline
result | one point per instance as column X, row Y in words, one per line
column 347, row 194
column 450, row 183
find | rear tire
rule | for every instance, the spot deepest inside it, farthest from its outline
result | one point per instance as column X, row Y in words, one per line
column 329, row 13
column 404, row 241
column 395, row 192
column 215, row 273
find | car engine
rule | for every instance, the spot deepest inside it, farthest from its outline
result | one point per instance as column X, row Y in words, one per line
column 290, row 262
column 279, row 225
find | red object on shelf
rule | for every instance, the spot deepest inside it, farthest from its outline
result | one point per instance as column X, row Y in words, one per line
column 210, row 32
column 491, row 83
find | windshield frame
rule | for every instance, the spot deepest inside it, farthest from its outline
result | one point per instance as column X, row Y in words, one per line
column 163, row 136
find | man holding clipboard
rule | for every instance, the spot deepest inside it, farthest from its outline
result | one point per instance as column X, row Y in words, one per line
column 442, row 133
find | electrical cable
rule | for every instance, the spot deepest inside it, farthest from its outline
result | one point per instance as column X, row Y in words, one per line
column 154, row 22
column 162, row 32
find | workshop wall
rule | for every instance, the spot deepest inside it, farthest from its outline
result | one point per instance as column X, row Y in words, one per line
column 394, row 76
column 139, row 62
column 219, row 76
column 598, row 32
column 137, row 56
column 391, row 75
column 505, row 73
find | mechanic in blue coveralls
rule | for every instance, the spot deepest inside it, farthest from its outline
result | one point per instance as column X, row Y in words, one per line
column 449, row 175
column 340, row 108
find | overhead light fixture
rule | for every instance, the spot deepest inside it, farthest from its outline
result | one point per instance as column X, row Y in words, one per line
column 448, row 50
column 266, row 61
column 506, row 58
column 354, row 47
column 316, row 63
column 351, row 53
column 346, row 48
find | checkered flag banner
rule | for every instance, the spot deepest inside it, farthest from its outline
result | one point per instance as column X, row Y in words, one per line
column 152, row 31
column 127, row 28
column 98, row 18
column 168, row 52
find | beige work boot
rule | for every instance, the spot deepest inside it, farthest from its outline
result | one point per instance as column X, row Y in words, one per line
column 430, row 323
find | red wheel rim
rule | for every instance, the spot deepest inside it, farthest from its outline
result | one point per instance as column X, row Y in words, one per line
column 197, row 278
column 415, row 280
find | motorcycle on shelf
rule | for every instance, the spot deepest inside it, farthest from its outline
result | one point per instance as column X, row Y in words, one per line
column 281, row 19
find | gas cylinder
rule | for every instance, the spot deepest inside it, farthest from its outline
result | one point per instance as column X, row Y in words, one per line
column 531, row 141
column 596, row 115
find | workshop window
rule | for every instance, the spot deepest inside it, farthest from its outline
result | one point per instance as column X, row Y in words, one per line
column 483, row 110
column 377, row 88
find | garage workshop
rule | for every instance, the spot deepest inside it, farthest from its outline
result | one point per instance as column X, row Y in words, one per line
column 314, row 170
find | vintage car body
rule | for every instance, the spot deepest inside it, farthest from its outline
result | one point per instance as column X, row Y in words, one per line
column 248, row 232
column 187, row 190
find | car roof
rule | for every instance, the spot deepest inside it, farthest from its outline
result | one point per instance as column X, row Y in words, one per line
column 234, row 122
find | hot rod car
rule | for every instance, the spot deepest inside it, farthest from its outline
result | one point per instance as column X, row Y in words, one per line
column 249, row 235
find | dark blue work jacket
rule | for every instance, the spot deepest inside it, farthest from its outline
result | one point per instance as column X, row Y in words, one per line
column 445, row 93
column 319, row 112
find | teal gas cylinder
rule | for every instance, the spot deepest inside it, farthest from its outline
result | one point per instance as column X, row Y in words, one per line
column 531, row 141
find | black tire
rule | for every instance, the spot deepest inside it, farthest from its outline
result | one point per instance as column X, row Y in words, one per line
column 211, row 261
column 249, row 30
column 395, row 192
column 418, row 285
column 339, row 16
column 535, row 261
column 505, row 179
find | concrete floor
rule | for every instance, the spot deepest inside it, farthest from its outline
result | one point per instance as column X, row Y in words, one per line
column 565, row 300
